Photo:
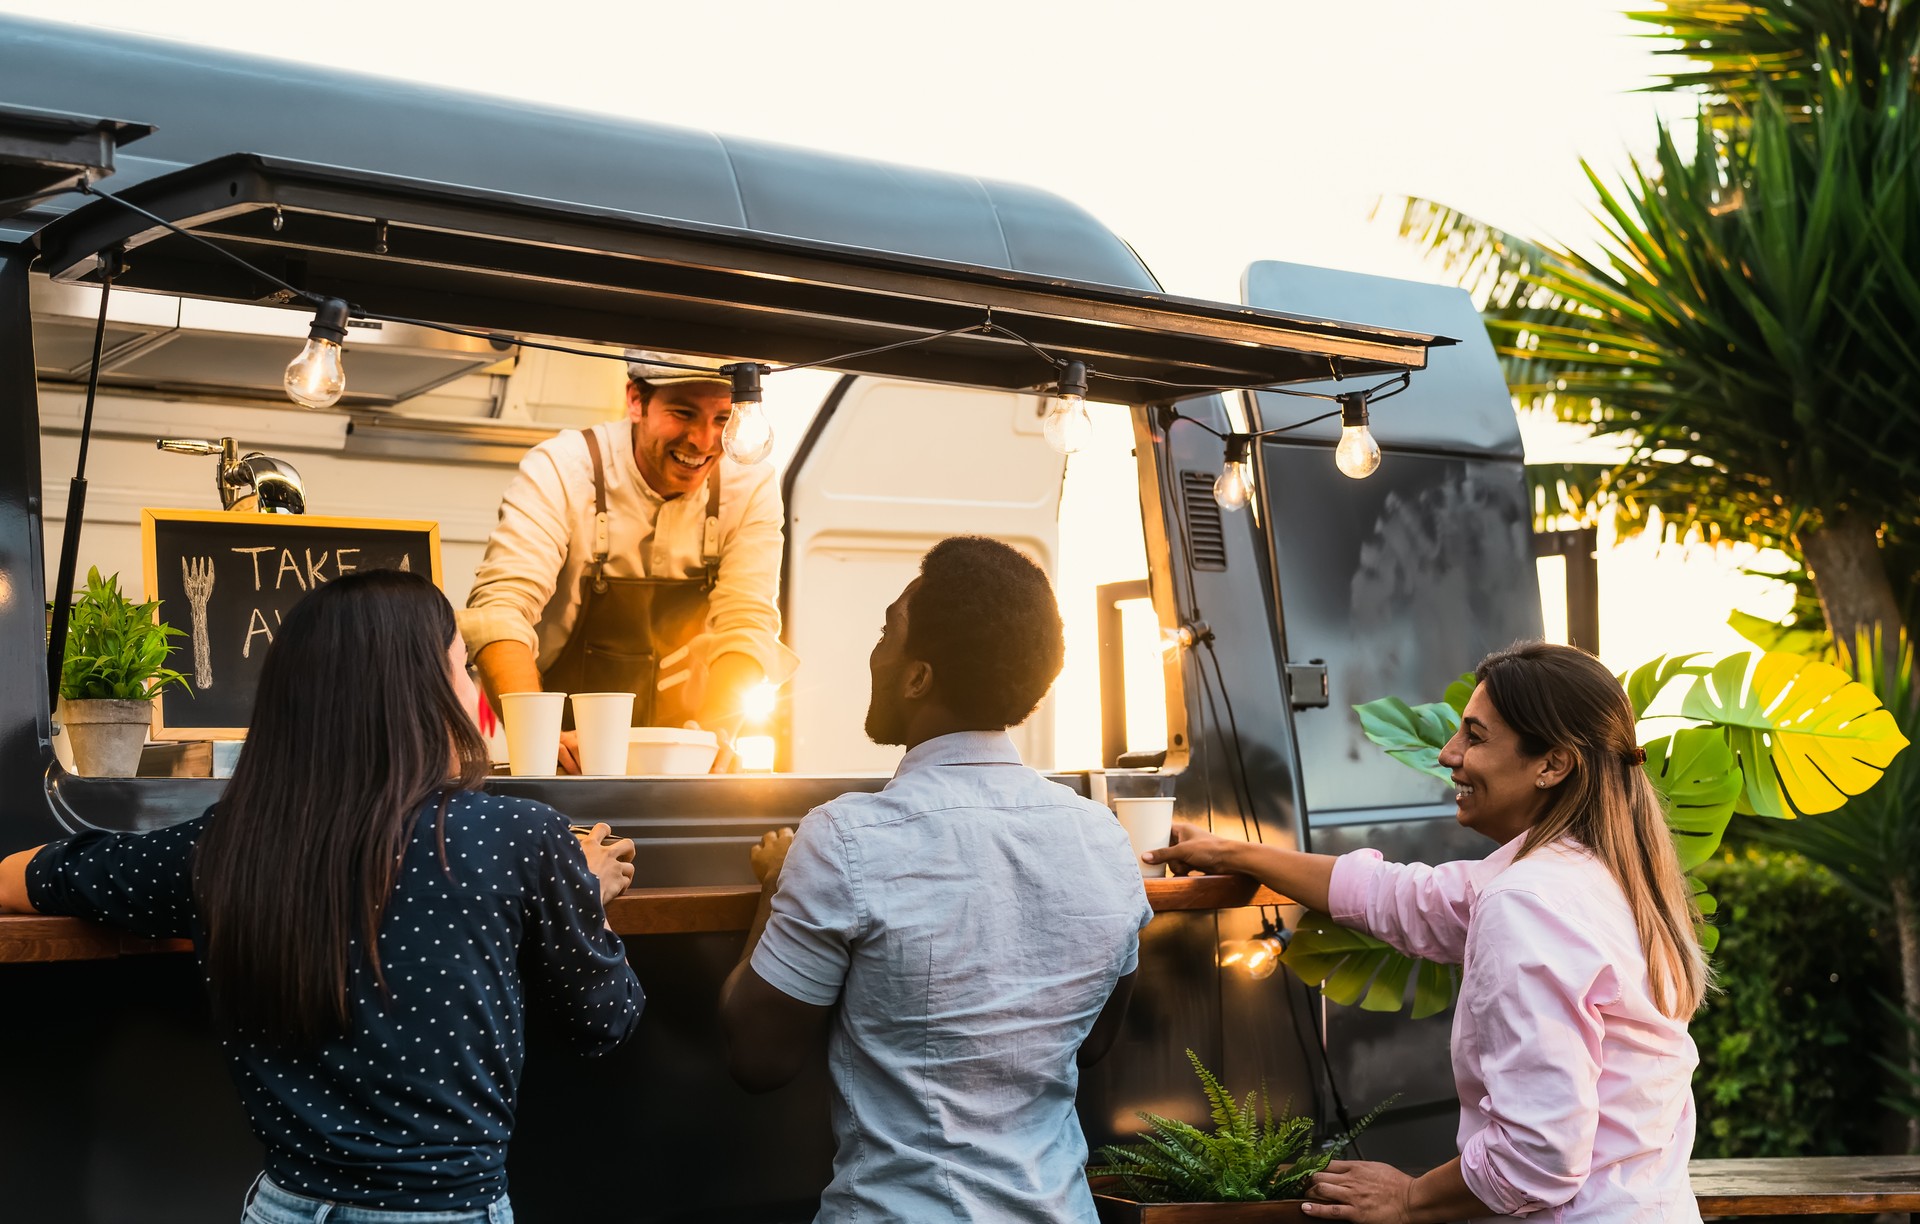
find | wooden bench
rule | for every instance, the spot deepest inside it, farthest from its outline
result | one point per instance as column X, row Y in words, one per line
column 1813, row 1185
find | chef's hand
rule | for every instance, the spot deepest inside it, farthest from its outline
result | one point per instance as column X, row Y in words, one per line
column 1361, row 1190
column 725, row 759
column 1194, row 849
column 610, row 859
column 770, row 855
column 570, row 752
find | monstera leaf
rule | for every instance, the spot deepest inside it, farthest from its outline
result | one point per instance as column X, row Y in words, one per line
column 1460, row 692
column 1694, row 772
column 1411, row 735
column 1804, row 734
column 1350, row 967
column 1645, row 682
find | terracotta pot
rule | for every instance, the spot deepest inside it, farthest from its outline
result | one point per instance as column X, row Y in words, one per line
column 106, row 735
column 1116, row 1210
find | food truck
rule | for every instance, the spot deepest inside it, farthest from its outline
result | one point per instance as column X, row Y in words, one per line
column 468, row 231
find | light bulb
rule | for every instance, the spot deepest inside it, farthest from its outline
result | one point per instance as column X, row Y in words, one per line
column 1257, row 958
column 748, row 437
column 1233, row 486
column 757, row 703
column 1357, row 455
column 1068, row 428
column 317, row 377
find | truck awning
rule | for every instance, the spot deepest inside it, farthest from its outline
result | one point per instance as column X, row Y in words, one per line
column 43, row 153
column 530, row 266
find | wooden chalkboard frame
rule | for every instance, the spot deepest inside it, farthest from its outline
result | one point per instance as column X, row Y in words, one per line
column 152, row 517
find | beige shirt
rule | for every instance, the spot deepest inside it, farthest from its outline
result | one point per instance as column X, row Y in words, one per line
column 528, row 586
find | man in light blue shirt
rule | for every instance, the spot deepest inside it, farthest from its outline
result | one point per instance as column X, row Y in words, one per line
column 977, row 925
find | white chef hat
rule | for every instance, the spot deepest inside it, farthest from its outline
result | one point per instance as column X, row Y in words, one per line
column 658, row 369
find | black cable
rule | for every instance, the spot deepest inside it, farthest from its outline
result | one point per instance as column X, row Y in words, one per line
column 884, row 348
column 306, row 295
column 76, row 511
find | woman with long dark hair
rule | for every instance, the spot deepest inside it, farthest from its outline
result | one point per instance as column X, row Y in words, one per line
column 1580, row 953
column 371, row 926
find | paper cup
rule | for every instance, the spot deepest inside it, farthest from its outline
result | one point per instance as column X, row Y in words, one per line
column 533, row 732
column 602, row 721
column 1149, row 826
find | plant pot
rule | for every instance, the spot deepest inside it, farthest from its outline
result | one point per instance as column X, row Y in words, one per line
column 1116, row 1210
column 105, row 735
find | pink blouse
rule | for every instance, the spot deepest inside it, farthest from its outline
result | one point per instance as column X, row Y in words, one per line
column 1575, row 1090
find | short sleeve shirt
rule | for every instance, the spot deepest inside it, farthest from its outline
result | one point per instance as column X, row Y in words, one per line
column 413, row 1108
column 971, row 919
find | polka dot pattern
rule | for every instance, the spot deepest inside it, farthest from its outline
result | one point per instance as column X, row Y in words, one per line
column 412, row 1110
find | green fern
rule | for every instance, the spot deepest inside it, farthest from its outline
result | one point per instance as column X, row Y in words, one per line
column 1249, row 1157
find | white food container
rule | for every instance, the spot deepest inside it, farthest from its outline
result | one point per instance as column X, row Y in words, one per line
column 670, row 750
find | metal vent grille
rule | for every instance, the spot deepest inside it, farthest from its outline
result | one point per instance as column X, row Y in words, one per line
column 1206, row 536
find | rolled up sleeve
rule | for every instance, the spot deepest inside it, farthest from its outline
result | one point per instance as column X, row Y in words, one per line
column 1534, row 986
column 817, row 914
column 521, row 566
column 1422, row 911
column 744, row 613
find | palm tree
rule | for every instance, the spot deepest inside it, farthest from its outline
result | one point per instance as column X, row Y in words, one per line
column 1752, row 324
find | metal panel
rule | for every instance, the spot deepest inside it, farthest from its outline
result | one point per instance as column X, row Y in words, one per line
column 1400, row 582
column 525, row 265
column 44, row 153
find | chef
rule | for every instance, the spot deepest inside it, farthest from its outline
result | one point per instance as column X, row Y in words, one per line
column 635, row 556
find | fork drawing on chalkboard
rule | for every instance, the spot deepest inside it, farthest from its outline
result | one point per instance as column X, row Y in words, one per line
column 198, row 576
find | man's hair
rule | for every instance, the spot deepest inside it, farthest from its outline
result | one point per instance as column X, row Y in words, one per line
column 984, row 617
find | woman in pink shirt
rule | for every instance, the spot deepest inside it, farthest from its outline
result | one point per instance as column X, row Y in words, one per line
column 1581, row 960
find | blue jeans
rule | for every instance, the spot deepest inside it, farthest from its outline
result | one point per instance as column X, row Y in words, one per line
column 269, row 1204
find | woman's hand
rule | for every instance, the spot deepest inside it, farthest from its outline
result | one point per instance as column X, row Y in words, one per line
column 1195, row 849
column 1361, row 1190
column 610, row 859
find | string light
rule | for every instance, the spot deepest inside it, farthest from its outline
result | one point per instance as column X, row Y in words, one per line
column 318, row 376
column 1257, row 957
column 1234, row 486
column 1068, row 428
column 317, row 379
column 1357, row 455
column 748, row 437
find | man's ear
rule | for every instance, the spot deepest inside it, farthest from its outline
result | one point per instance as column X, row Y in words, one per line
column 917, row 683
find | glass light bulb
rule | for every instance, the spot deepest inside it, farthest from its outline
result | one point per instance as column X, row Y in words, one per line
column 1068, row 428
column 316, row 378
column 1233, row 487
column 748, row 437
column 1233, row 952
column 1358, row 455
column 1262, row 958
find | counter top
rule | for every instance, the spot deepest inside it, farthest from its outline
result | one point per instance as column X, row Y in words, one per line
column 28, row 938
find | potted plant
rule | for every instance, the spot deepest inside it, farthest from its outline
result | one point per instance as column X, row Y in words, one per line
column 1253, row 1168
column 114, row 662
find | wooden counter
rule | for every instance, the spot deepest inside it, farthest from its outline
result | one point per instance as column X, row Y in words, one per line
column 641, row 911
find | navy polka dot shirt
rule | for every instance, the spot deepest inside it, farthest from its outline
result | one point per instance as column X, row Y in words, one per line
column 412, row 1110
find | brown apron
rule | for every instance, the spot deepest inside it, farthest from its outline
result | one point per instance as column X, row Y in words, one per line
column 627, row 625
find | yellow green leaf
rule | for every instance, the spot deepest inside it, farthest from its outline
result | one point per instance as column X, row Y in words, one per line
column 1804, row 733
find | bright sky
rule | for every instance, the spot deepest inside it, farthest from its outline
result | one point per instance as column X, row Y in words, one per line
column 1207, row 135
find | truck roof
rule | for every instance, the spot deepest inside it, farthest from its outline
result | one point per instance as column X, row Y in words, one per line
column 205, row 103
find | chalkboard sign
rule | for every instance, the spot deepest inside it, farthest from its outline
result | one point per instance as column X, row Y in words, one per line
column 227, row 579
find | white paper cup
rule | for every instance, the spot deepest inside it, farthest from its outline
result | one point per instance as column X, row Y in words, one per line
column 602, row 721
column 1149, row 826
column 533, row 732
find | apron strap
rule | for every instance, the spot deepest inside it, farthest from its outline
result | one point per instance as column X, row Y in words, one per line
column 600, row 544
column 710, row 539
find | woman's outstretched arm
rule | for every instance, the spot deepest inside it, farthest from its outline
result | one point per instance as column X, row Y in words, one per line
column 13, row 882
column 1291, row 873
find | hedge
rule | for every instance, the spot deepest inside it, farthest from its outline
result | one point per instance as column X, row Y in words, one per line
column 1787, row 1040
